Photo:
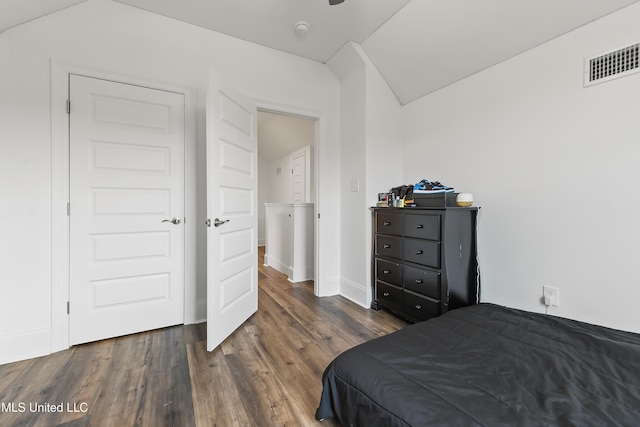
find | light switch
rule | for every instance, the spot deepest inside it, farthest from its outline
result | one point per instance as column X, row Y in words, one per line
column 355, row 185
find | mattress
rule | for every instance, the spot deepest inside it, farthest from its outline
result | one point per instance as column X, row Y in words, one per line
column 488, row 365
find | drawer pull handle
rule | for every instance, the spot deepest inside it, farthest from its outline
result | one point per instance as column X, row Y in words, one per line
column 418, row 307
column 386, row 294
column 386, row 271
column 387, row 223
column 418, row 281
column 419, row 252
column 419, row 226
column 386, row 246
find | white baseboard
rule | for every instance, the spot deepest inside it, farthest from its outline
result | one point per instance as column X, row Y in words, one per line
column 330, row 287
column 354, row 292
column 26, row 345
column 306, row 275
column 278, row 265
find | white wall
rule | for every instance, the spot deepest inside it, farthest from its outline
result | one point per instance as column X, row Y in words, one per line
column 371, row 159
column 350, row 70
column 384, row 151
column 114, row 38
column 555, row 168
column 279, row 180
column 25, row 200
column 263, row 197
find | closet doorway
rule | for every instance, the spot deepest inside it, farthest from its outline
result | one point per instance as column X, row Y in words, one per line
column 287, row 192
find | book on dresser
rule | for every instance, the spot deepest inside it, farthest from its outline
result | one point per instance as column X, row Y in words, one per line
column 424, row 260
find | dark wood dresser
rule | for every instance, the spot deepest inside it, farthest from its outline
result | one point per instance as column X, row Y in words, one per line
column 424, row 260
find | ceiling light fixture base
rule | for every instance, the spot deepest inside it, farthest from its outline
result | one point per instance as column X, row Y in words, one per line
column 301, row 28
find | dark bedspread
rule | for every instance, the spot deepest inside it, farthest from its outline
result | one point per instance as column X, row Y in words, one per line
column 488, row 365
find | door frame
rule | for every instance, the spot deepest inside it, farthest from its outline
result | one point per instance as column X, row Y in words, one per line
column 60, row 181
column 319, row 269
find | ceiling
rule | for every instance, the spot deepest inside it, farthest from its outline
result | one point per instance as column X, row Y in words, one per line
column 281, row 134
column 419, row 46
column 16, row 12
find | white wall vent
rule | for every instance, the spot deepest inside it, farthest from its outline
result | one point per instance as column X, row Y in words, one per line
column 612, row 65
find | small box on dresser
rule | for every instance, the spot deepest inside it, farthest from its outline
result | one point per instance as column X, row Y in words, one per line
column 424, row 260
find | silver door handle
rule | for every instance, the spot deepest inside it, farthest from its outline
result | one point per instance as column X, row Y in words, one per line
column 175, row 220
column 218, row 223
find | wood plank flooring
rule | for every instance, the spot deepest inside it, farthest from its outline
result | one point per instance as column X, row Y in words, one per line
column 268, row 373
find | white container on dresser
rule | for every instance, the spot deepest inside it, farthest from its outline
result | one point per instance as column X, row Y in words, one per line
column 289, row 239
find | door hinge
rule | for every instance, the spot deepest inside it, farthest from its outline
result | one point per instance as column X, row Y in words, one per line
column 318, row 216
column 68, row 106
column 68, row 307
column 68, row 209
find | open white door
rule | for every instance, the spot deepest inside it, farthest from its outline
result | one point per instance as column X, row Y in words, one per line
column 232, row 261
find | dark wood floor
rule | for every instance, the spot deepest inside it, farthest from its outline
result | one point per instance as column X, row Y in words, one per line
column 268, row 373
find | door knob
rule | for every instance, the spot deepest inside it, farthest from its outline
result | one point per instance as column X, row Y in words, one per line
column 175, row 220
column 217, row 222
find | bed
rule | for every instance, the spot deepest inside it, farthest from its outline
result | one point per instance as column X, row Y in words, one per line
column 488, row 365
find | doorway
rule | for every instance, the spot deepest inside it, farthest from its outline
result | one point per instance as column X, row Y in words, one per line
column 287, row 172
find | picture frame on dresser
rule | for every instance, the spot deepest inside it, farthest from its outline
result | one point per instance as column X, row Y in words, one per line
column 424, row 260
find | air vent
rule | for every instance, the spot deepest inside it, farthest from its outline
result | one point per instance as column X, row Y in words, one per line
column 612, row 65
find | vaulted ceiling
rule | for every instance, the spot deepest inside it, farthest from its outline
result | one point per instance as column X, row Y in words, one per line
column 419, row 46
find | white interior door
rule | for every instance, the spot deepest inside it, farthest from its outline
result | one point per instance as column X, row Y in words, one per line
column 299, row 177
column 232, row 260
column 126, row 209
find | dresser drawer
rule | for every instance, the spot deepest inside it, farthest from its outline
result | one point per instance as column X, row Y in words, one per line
column 420, row 307
column 389, row 223
column 422, row 281
column 389, row 246
column 422, row 226
column 389, row 272
column 390, row 296
column 425, row 252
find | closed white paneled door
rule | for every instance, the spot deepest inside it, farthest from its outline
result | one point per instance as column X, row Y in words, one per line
column 299, row 177
column 126, row 209
column 232, row 260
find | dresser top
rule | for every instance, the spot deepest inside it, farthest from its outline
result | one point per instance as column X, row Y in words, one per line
column 421, row 208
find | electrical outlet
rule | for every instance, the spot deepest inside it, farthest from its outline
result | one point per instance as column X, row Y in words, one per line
column 550, row 295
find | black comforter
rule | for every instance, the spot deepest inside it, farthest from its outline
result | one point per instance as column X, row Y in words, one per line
column 488, row 365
